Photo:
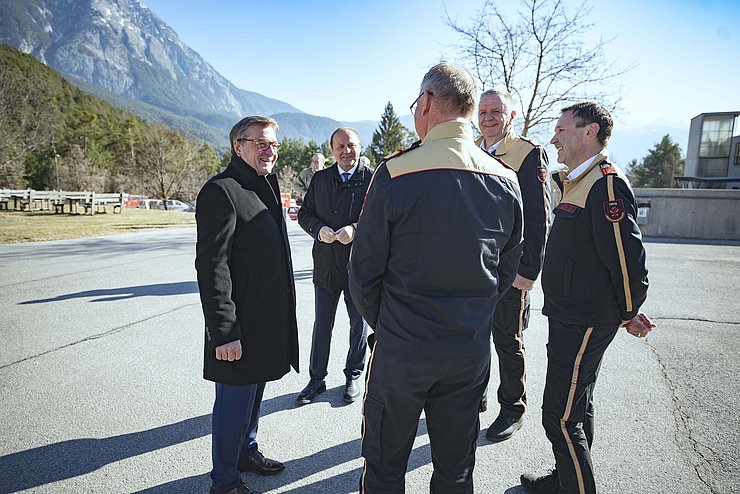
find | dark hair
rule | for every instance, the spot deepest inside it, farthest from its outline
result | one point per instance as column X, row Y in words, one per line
column 246, row 122
column 589, row 112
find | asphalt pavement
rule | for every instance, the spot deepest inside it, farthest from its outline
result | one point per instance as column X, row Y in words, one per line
column 101, row 387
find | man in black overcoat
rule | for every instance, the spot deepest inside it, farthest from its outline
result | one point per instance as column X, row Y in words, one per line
column 245, row 279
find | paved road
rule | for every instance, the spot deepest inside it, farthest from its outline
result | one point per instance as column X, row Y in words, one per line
column 100, row 387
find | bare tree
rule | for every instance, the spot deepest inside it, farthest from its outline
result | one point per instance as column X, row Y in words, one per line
column 540, row 57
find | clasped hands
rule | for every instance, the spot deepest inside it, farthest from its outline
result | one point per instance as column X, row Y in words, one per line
column 344, row 235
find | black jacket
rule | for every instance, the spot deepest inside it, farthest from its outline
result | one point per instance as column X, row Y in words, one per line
column 530, row 163
column 245, row 276
column 594, row 272
column 438, row 243
column 330, row 202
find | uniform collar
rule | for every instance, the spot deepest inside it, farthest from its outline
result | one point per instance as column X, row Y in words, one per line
column 459, row 129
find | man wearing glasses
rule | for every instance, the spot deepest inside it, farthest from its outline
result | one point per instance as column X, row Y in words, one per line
column 245, row 279
column 438, row 243
column 495, row 117
column 330, row 210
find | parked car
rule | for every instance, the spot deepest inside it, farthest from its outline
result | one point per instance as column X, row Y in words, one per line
column 175, row 205
column 150, row 204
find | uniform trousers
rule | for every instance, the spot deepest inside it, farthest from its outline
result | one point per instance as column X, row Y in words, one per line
column 236, row 413
column 509, row 320
column 574, row 355
column 325, row 303
column 399, row 386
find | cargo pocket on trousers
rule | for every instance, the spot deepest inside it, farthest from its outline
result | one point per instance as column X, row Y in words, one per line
column 373, row 412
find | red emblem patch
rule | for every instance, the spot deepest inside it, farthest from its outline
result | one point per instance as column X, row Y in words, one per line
column 607, row 168
column 542, row 173
column 614, row 210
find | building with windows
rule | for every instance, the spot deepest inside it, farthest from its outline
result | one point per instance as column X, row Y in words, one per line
column 713, row 151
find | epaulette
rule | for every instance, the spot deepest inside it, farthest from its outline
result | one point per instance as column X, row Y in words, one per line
column 402, row 151
column 607, row 168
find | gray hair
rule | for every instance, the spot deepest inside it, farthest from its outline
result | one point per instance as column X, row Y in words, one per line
column 321, row 157
column 506, row 98
column 237, row 131
column 453, row 86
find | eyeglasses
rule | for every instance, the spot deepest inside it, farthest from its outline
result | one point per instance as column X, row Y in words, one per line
column 262, row 144
column 416, row 101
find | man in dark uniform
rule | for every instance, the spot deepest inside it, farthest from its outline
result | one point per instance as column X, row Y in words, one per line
column 438, row 242
column 495, row 117
column 245, row 279
column 595, row 280
column 330, row 210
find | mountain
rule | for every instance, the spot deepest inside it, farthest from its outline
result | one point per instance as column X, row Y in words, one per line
column 122, row 52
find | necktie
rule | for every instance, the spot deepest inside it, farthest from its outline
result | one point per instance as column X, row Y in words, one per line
column 345, row 177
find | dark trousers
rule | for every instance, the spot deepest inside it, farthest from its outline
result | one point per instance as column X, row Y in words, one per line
column 574, row 355
column 399, row 386
column 325, row 303
column 509, row 321
column 236, row 413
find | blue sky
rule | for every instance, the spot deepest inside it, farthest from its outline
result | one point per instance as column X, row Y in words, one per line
column 346, row 60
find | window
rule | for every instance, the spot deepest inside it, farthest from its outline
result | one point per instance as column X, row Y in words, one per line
column 716, row 136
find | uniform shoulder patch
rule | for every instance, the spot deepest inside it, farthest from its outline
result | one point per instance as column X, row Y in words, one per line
column 607, row 168
column 398, row 153
column 542, row 172
column 614, row 210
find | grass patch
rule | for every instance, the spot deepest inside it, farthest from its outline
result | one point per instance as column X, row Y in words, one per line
column 39, row 226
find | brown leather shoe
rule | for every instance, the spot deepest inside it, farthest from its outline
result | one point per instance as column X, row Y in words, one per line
column 257, row 463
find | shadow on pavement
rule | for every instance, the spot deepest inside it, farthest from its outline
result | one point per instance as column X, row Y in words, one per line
column 115, row 294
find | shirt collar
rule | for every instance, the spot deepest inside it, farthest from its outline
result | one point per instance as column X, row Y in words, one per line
column 351, row 171
column 581, row 168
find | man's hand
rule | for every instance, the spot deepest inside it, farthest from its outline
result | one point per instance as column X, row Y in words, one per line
column 327, row 235
column 229, row 351
column 639, row 325
column 346, row 234
column 522, row 283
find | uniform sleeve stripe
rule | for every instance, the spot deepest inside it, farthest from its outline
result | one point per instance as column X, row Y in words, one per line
column 620, row 249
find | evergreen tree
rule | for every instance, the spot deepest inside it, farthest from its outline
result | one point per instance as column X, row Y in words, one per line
column 389, row 137
column 658, row 168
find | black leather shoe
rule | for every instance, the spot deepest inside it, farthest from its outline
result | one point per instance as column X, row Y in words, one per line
column 351, row 390
column 257, row 463
column 544, row 484
column 314, row 388
column 242, row 489
column 503, row 428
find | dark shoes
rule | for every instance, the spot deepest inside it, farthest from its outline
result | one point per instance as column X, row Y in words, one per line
column 314, row 388
column 503, row 428
column 351, row 390
column 544, row 484
column 257, row 463
column 242, row 489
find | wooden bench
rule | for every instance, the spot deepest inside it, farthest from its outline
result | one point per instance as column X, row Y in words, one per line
column 74, row 200
column 103, row 200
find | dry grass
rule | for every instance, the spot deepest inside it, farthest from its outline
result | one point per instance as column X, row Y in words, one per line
column 37, row 226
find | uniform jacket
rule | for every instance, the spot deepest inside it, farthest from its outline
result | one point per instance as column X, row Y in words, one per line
column 245, row 276
column 594, row 272
column 303, row 180
column 330, row 202
column 530, row 162
column 438, row 242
